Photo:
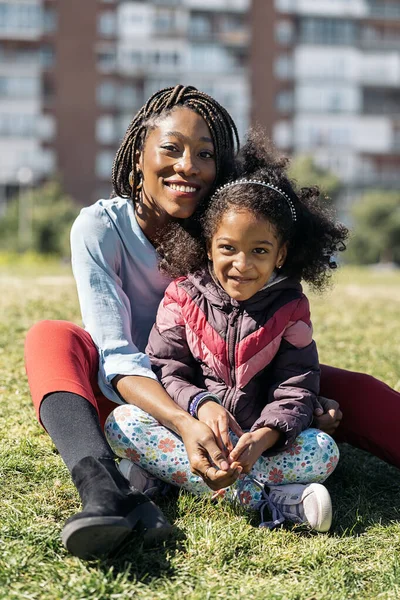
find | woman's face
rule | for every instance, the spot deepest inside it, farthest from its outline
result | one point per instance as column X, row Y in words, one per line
column 178, row 169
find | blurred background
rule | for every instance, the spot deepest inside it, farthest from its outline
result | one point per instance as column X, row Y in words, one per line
column 322, row 77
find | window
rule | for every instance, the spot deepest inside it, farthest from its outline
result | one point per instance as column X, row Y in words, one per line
column 46, row 127
column 284, row 101
column 105, row 130
column 104, row 161
column 49, row 20
column 47, row 56
column 17, row 125
column 106, row 24
column 129, row 97
column 283, row 66
column 19, row 87
column 328, row 31
column 106, row 93
column 200, row 25
column 20, row 17
column 106, row 58
column 284, row 32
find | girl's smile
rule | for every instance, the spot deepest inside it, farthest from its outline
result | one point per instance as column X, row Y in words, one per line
column 245, row 250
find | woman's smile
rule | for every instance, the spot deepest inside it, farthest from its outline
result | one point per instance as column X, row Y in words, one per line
column 178, row 169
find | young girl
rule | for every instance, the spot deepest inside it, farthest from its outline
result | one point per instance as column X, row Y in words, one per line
column 233, row 346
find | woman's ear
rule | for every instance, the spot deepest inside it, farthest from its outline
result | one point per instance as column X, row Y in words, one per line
column 209, row 255
column 139, row 160
column 282, row 254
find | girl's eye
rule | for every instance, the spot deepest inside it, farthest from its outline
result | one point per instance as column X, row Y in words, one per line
column 260, row 251
column 227, row 248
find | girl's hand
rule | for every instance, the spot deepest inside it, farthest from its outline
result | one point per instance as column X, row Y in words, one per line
column 327, row 415
column 206, row 458
column 220, row 422
column 251, row 445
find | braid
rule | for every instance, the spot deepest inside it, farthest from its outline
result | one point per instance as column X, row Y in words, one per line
column 223, row 131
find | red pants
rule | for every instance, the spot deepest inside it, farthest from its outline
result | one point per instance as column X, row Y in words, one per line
column 61, row 356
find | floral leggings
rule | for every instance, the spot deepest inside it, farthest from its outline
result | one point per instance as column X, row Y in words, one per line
column 136, row 435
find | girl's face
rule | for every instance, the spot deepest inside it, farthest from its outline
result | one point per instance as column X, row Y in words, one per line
column 178, row 169
column 245, row 250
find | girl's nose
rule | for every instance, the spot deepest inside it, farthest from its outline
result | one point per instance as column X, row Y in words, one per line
column 186, row 164
column 242, row 262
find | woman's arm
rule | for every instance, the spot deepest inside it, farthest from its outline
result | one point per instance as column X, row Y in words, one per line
column 199, row 440
column 97, row 252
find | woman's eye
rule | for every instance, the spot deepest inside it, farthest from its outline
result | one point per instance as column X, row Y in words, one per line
column 207, row 154
column 169, row 147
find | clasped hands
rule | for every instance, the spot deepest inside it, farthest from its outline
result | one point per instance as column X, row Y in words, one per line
column 208, row 442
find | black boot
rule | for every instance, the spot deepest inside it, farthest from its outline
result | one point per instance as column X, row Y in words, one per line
column 111, row 512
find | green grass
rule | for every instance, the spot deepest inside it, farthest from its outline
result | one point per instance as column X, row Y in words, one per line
column 218, row 551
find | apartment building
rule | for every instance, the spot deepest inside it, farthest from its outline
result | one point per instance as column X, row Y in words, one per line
column 326, row 81
column 24, row 127
column 72, row 74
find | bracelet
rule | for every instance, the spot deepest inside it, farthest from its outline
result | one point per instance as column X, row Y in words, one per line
column 198, row 400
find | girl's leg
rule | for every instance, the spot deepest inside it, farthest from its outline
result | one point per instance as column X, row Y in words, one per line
column 62, row 363
column 371, row 412
column 135, row 435
column 311, row 459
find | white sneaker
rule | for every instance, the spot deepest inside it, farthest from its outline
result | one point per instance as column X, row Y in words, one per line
column 310, row 504
column 140, row 479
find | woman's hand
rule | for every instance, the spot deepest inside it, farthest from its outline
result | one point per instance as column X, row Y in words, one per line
column 206, row 458
column 251, row 445
column 327, row 415
column 220, row 421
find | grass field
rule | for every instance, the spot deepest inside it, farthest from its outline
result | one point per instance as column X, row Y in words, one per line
column 218, row 551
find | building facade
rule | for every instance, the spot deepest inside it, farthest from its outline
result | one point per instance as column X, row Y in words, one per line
column 325, row 80
column 72, row 75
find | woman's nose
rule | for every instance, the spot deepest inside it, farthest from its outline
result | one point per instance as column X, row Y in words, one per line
column 186, row 164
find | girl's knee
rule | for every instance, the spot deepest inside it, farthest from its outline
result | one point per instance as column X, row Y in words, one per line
column 129, row 413
column 325, row 449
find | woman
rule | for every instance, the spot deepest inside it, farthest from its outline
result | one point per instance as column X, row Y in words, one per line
column 177, row 150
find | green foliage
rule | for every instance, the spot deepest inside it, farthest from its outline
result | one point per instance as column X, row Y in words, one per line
column 376, row 236
column 39, row 221
column 307, row 173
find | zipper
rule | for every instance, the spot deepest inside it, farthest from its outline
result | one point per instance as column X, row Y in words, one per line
column 231, row 347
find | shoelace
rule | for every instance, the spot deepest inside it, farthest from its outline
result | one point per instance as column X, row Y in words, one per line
column 266, row 501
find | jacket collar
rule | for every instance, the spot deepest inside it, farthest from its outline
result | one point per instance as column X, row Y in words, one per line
column 209, row 285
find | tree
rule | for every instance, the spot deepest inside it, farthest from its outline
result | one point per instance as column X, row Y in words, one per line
column 376, row 232
column 307, row 173
column 49, row 213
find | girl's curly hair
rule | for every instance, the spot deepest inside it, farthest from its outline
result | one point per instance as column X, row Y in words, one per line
column 312, row 240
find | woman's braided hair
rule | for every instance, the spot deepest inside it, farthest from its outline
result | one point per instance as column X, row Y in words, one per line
column 221, row 125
